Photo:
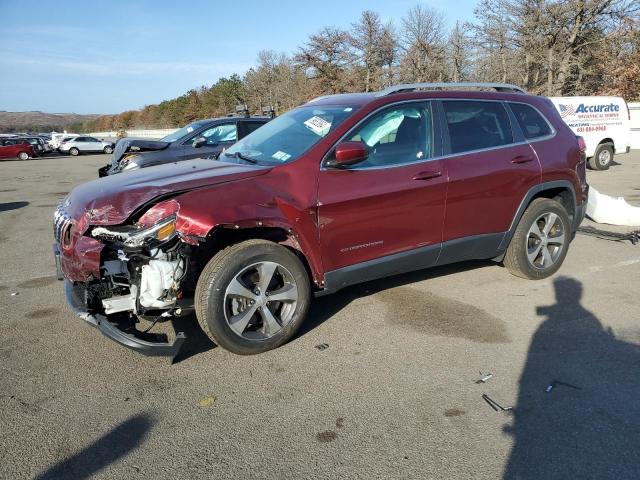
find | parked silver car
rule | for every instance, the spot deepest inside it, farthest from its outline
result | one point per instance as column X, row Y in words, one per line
column 82, row 144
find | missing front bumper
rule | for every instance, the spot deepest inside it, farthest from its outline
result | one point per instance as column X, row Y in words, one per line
column 75, row 299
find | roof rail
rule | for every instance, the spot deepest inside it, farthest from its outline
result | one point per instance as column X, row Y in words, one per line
column 409, row 87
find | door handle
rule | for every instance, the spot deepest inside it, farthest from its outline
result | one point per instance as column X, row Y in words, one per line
column 522, row 159
column 428, row 175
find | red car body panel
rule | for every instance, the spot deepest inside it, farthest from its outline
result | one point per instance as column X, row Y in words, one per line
column 12, row 151
column 486, row 188
column 335, row 218
column 366, row 214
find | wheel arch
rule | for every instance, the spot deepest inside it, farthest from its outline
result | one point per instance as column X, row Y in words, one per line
column 222, row 236
column 560, row 190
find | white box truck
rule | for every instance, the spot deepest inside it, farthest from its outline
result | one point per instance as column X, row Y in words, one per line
column 603, row 122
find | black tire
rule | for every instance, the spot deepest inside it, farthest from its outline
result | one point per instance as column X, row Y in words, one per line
column 74, row 152
column 602, row 158
column 23, row 156
column 523, row 242
column 222, row 269
column 108, row 150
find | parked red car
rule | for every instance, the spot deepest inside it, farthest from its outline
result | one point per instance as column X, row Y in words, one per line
column 345, row 189
column 12, row 148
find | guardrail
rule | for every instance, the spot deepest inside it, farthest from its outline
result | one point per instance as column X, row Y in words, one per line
column 156, row 133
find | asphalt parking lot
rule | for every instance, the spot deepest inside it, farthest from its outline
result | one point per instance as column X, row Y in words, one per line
column 392, row 396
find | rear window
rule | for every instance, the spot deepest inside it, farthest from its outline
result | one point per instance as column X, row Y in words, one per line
column 477, row 125
column 533, row 125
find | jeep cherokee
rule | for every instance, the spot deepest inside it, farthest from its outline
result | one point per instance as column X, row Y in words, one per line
column 344, row 189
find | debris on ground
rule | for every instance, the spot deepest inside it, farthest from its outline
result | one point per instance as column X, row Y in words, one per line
column 207, row 401
column 633, row 237
column 556, row 383
column 495, row 405
column 322, row 346
column 484, row 377
column 613, row 211
column 13, row 294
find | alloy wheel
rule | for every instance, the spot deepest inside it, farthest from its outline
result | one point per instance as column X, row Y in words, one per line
column 260, row 300
column 545, row 240
column 604, row 157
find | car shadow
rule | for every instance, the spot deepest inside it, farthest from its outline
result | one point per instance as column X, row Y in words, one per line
column 117, row 443
column 197, row 341
column 323, row 308
column 6, row 207
column 577, row 414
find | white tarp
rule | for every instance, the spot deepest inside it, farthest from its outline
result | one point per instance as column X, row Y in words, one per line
column 613, row 211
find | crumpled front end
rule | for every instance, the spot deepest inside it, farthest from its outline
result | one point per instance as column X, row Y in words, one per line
column 114, row 276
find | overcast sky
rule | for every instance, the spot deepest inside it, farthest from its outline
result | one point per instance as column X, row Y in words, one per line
column 110, row 56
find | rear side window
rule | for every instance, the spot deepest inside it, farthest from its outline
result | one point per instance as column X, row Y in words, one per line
column 252, row 126
column 476, row 125
column 533, row 125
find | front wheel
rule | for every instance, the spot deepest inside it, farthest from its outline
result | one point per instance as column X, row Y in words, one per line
column 74, row 152
column 108, row 150
column 602, row 158
column 252, row 297
column 540, row 243
column 23, row 156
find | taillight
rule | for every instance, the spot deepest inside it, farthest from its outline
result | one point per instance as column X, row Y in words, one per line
column 581, row 144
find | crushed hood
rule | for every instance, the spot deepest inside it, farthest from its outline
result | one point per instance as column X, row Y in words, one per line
column 125, row 145
column 111, row 200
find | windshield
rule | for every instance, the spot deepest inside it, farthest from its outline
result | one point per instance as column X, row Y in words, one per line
column 183, row 132
column 287, row 137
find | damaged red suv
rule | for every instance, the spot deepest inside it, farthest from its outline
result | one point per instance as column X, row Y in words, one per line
column 344, row 189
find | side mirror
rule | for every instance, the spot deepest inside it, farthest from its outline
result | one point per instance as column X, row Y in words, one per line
column 348, row 153
column 199, row 142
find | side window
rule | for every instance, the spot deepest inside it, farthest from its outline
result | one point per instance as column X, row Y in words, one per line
column 397, row 135
column 226, row 133
column 531, row 122
column 90, row 139
column 476, row 125
column 80, row 139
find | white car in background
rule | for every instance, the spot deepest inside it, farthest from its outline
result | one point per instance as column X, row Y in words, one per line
column 57, row 138
column 603, row 122
column 83, row 144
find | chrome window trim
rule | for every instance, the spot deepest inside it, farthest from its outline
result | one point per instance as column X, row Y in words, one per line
column 450, row 155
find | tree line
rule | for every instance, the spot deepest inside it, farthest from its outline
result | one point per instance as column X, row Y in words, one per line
column 549, row 47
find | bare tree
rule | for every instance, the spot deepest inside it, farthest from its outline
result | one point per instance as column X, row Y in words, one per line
column 327, row 59
column 423, row 45
column 459, row 52
column 367, row 41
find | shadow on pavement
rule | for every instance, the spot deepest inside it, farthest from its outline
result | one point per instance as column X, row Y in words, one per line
column 323, row 308
column 106, row 450
column 592, row 431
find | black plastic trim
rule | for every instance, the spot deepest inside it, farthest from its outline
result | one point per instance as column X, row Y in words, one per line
column 541, row 187
column 476, row 247
column 108, row 329
column 386, row 266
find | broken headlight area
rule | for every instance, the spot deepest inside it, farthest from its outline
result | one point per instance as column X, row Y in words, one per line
column 143, row 267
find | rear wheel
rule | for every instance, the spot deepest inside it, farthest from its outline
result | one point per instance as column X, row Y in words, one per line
column 74, row 152
column 108, row 150
column 540, row 243
column 23, row 156
column 602, row 158
column 252, row 297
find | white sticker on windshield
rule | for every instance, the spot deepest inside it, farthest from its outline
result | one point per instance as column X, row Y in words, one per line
column 189, row 129
column 318, row 125
column 348, row 109
column 282, row 156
